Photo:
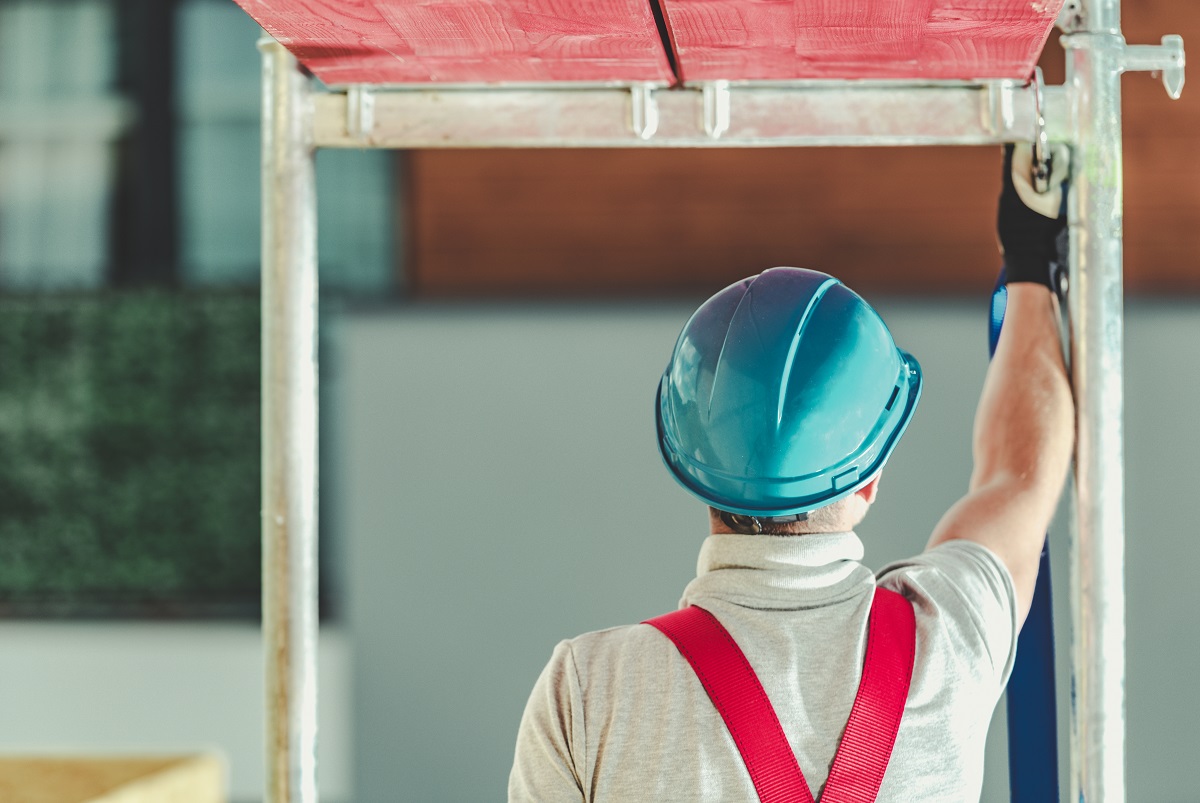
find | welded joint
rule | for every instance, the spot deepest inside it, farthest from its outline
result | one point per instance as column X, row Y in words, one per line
column 360, row 112
column 716, row 108
column 1167, row 58
column 1000, row 112
column 643, row 110
column 1012, row 111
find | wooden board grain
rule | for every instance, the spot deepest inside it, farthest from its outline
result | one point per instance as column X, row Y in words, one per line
column 468, row 41
column 872, row 39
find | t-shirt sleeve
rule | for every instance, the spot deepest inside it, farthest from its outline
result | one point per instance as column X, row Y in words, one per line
column 970, row 593
column 551, row 736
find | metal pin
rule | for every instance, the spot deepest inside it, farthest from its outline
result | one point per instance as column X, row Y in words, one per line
column 1167, row 58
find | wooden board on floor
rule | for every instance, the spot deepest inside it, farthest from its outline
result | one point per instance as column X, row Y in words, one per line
column 468, row 41
column 177, row 779
column 877, row 39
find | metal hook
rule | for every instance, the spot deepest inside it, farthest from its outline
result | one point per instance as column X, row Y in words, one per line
column 1041, row 143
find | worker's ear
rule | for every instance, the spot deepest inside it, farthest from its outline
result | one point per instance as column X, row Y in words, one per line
column 868, row 491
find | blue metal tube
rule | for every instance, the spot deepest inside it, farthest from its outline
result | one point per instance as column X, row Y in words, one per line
column 1031, row 698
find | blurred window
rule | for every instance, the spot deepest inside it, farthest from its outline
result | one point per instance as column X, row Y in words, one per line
column 59, row 120
column 129, row 312
column 218, row 104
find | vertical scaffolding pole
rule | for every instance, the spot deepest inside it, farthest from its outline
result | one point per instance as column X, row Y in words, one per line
column 289, row 426
column 1095, row 54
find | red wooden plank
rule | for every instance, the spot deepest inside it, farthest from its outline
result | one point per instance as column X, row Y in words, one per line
column 468, row 41
column 876, row 39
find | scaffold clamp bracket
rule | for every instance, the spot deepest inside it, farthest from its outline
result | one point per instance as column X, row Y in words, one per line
column 716, row 108
column 643, row 110
column 360, row 112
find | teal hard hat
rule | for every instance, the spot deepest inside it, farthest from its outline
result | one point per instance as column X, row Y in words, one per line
column 785, row 393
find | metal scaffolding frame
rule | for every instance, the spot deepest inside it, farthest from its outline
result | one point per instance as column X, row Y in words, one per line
column 1084, row 112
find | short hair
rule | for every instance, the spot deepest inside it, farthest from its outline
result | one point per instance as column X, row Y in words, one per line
column 799, row 524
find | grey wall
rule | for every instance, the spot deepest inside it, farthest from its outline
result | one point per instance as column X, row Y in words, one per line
column 497, row 489
column 151, row 688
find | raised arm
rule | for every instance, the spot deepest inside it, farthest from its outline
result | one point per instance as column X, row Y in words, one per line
column 1025, row 422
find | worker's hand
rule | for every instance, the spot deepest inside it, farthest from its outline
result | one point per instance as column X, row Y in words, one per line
column 1029, row 222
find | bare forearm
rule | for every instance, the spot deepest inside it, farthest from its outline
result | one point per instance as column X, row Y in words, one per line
column 1024, row 433
column 1024, row 426
column 1025, row 422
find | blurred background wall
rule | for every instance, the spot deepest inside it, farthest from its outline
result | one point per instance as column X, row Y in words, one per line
column 501, row 490
column 493, row 326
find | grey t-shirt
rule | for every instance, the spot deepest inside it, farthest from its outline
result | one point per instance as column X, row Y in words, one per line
column 619, row 715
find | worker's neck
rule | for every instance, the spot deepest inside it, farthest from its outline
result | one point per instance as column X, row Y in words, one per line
column 814, row 525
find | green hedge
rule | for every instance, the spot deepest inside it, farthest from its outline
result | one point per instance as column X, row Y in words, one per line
column 129, row 455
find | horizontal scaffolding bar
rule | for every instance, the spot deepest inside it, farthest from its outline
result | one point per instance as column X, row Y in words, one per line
column 824, row 113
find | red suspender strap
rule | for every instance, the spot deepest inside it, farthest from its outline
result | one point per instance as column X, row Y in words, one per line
column 870, row 735
column 734, row 689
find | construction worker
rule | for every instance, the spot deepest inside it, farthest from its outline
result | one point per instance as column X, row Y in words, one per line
column 783, row 399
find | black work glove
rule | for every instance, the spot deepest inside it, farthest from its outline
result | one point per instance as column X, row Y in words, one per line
column 1029, row 223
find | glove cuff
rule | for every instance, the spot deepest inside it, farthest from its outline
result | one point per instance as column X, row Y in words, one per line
column 1032, row 268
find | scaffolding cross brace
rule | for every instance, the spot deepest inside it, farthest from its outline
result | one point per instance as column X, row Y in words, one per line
column 1084, row 112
